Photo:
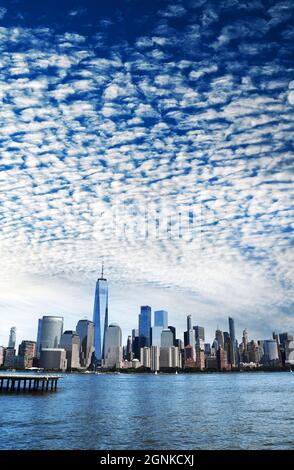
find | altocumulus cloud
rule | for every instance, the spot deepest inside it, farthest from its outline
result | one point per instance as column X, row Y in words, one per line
column 161, row 105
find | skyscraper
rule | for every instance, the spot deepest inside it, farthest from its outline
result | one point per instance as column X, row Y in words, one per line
column 233, row 358
column 199, row 333
column 70, row 341
column 12, row 337
column 190, row 336
column 145, row 325
column 85, row 330
column 161, row 318
column 113, row 347
column 49, row 332
column 100, row 317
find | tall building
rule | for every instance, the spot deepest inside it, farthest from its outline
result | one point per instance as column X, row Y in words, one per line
column 51, row 328
column 53, row 359
column 270, row 351
column 39, row 336
column 27, row 352
column 173, row 330
column 135, row 344
column 219, row 336
column 85, row 330
column 154, row 358
column 113, row 347
column 100, row 317
column 190, row 334
column 199, row 333
column 70, row 341
column 2, row 355
column 233, row 358
column 145, row 326
column 12, row 338
column 129, row 349
column 161, row 318
column 167, row 338
column 145, row 357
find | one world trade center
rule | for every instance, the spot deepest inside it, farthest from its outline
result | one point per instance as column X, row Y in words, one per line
column 100, row 317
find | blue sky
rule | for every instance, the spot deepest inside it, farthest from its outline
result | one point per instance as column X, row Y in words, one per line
column 160, row 106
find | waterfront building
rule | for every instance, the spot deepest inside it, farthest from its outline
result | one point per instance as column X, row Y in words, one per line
column 200, row 358
column 145, row 357
column 51, row 331
column 113, row 347
column 154, row 358
column 169, row 357
column 145, row 326
column 161, row 318
column 167, row 338
column 27, row 352
column 270, row 352
column 233, row 352
column 12, row 338
column 10, row 356
column 85, row 330
column 211, row 362
column 70, row 341
column 100, row 318
column 39, row 333
column 189, row 356
column 136, row 364
column 221, row 359
column 53, row 359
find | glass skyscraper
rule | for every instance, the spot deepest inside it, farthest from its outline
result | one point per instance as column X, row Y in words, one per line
column 233, row 341
column 100, row 317
column 145, row 325
column 161, row 318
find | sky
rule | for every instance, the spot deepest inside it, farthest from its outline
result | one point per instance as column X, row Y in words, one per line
column 178, row 113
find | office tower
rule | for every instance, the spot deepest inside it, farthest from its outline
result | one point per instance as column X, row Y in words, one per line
column 270, row 351
column 190, row 334
column 169, row 357
column 70, row 341
column 129, row 351
column 207, row 349
column 221, row 359
column 100, row 317
column 189, row 356
column 113, row 347
column 167, row 338
column 145, row 325
column 173, row 330
column 135, row 344
column 27, row 351
column 253, row 352
column 161, row 318
column 51, row 331
column 85, row 330
column 53, row 359
column 199, row 333
column 12, row 338
column 200, row 358
column 233, row 358
column 154, row 358
column 145, row 357
column 219, row 336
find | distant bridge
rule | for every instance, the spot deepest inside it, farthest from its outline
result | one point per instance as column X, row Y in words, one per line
column 28, row 382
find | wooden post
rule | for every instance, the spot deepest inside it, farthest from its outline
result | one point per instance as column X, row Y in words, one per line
column 18, row 385
column 7, row 384
column 30, row 384
column 47, row 384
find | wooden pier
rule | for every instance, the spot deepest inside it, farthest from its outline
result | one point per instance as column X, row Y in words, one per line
column 28, row 383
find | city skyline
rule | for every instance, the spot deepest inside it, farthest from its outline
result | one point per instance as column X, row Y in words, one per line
column 117, row 111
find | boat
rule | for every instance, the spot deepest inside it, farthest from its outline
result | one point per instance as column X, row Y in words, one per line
column 155, row 373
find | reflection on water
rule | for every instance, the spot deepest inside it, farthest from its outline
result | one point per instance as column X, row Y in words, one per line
column 201, row 411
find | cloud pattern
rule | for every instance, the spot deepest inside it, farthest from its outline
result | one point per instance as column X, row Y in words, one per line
column 162, row 104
